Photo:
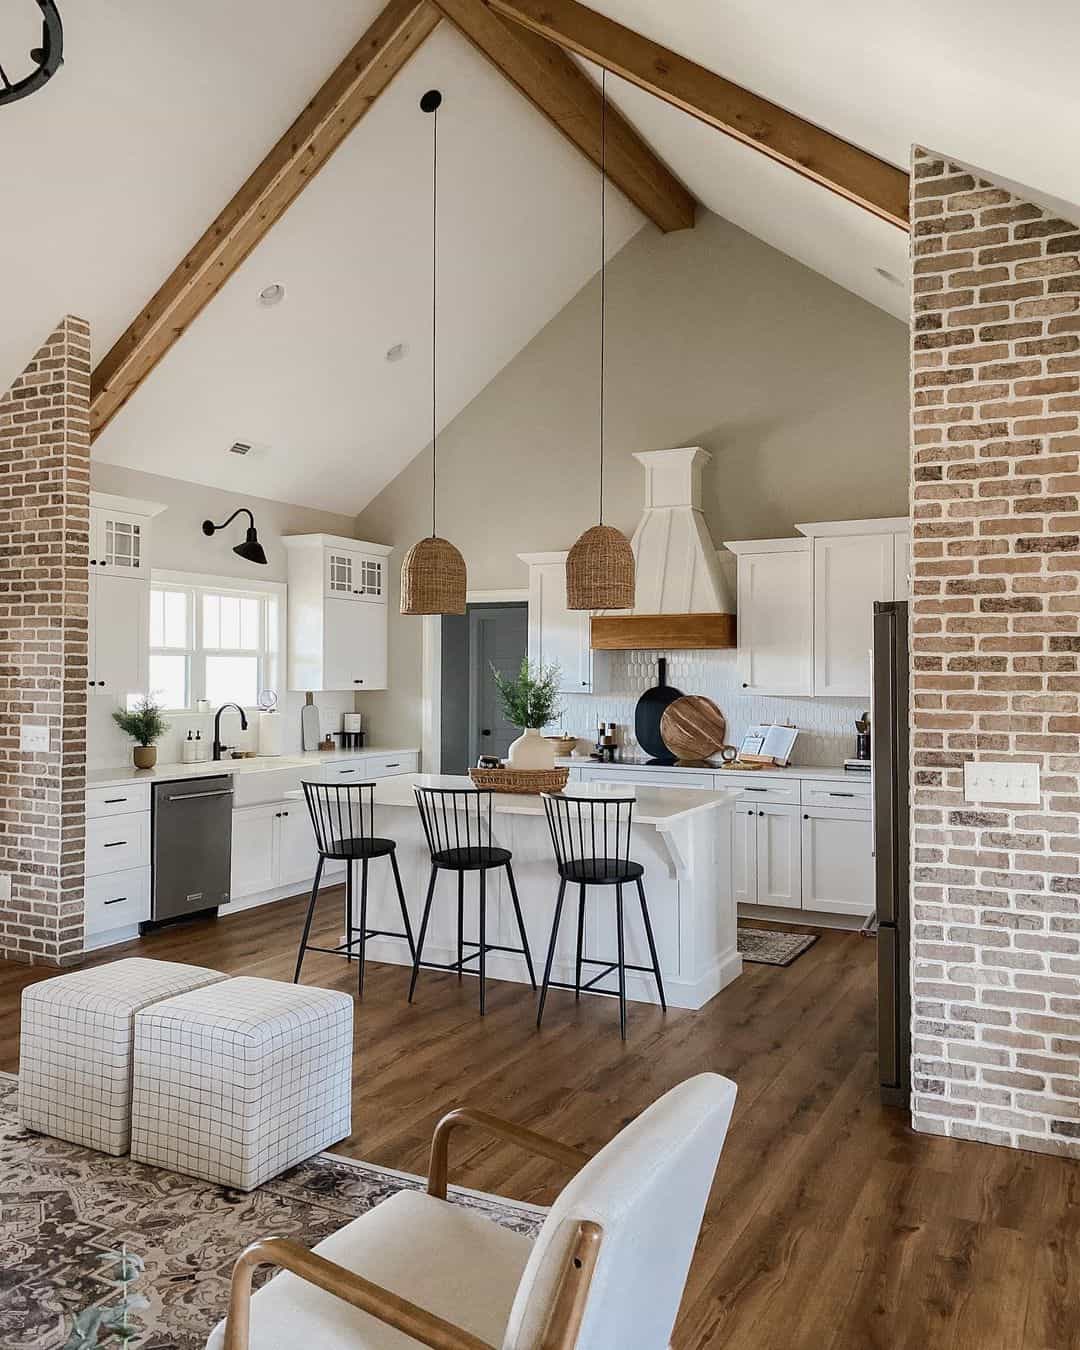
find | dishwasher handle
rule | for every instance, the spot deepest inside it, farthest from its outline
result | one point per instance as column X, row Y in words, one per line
column 190, row 796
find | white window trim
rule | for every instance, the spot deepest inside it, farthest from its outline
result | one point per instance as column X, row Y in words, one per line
column 162, row 578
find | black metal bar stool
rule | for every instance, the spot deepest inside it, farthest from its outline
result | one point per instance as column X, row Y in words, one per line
column 591, row 838
column 457, row 825
column 343, row 818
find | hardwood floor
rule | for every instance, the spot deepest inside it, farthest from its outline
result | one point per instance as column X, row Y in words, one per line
column 832, row 1226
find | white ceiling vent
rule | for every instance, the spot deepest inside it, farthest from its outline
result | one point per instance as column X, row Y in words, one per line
column 239, row 448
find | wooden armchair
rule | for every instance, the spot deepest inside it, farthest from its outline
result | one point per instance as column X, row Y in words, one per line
column 607, row 1269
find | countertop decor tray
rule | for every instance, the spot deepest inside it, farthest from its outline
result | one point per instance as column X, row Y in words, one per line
column 521, row 780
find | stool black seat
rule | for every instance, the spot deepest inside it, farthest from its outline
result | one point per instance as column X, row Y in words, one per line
column 343, row 818
column 457, row 826
column 591, row 839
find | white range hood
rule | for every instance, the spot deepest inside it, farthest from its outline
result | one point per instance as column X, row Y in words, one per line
column 678, row 573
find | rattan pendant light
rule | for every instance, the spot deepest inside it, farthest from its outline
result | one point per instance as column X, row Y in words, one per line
column 433, row 573
column 600, row 566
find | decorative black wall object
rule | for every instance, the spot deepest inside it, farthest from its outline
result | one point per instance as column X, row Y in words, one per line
column 48, row 58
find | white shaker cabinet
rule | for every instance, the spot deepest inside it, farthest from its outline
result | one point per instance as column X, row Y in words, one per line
column 851, row 572
column 837, row 860
column 766, row 861
column 118, row 614
column 559, row 636
column 744, row 854
column 775, row 622
column 337, row 613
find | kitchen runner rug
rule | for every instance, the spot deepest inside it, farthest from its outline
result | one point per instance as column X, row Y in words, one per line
column 63, row 1207
column 770, row 948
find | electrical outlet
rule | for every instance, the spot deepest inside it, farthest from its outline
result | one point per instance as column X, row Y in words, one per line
column 33, row 736
column 994, row 782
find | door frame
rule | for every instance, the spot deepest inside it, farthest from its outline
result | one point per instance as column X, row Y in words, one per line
column 431, row 673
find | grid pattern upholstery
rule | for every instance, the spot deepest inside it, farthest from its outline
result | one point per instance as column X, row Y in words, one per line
column 239, row 1081
column 76, row 1047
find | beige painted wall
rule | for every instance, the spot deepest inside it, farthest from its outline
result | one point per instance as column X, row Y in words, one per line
column 798, row 388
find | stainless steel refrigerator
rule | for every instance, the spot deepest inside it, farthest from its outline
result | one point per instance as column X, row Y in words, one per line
column 891, row 848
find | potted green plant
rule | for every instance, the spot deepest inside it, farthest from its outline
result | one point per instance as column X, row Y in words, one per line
column 145, row 725
column 530, row 700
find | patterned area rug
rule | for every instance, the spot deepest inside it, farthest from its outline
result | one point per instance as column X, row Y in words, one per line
column 62, row 1207
column 769, row 947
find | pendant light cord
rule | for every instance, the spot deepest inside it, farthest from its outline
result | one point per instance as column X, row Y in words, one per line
column 434, row 296
column 603, row 270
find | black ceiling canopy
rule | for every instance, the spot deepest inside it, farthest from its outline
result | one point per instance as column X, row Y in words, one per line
column 47, row 59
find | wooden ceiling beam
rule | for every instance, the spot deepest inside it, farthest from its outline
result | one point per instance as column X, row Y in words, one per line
column 810, row 150
column 556, row 85
column 284, row 173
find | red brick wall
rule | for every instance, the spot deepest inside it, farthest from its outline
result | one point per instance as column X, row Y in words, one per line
column 995, row 648
column 44, row 518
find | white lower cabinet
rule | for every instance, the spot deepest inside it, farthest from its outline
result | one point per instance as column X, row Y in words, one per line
column 254, row 849
column 117, row 867
column 744, row 860
column 837, row 860
column 116, row 900
column 776, row 846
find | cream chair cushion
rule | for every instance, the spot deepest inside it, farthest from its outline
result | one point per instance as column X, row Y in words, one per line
column 448, row 1259
column 647, row 1190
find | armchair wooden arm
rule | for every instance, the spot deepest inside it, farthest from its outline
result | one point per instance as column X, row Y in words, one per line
column 504, row 1129
column 388, row 1307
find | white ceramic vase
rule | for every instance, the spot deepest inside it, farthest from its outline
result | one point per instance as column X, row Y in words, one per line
column 531, row 751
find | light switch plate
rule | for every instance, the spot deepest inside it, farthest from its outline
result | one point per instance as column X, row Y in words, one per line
column 5, row 885
column 33, row 736
column 985, row 781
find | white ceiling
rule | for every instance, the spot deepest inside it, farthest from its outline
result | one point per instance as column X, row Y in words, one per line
column 113, row 171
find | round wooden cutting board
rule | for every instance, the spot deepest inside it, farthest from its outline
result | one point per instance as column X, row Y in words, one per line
column 693, row 727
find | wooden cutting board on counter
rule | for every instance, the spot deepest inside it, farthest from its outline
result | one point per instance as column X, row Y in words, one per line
column 693, row 727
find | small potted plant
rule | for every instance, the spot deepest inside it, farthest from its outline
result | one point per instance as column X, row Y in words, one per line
column 530, row 701
column 145, row 725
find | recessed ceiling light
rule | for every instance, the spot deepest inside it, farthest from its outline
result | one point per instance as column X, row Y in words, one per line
column 890, row 277
column 397, row 352
column 272, row 294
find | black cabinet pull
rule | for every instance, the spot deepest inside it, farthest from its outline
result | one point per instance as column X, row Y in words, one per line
column 805, row 817
column 486, row 731
column 116, row 843
column 346, row 770
column 841, row 794
column 750, row 789
column 112, row 801
column 396, row 765
column 358, row 681
column 118, row 901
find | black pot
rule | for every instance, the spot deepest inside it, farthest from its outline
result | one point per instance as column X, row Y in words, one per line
column 647, row 715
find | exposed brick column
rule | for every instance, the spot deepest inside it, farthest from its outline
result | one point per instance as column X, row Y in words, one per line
column 44, row 524
column 995, row 644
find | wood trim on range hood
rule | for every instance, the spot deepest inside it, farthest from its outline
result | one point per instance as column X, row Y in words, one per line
column 661, row 632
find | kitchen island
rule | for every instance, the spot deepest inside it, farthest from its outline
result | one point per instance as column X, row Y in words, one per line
column 682, row 837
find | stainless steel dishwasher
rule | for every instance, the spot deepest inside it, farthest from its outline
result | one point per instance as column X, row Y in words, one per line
column 191, row 824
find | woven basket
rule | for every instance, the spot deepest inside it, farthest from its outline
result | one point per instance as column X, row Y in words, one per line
column 520, row 780
column 600, row 571
column 433, row 578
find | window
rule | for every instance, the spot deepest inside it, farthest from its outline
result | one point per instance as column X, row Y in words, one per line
column 209, row 641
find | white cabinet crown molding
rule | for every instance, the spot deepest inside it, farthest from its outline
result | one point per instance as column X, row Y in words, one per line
column 881, row 525
column 336, row 541
column 132, row 506
column 794, row 544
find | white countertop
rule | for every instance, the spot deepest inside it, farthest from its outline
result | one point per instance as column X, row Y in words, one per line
column 658, row 806
column 837, row 774
column 166, row 773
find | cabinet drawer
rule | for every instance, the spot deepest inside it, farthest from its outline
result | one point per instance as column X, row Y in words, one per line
column 116, row 843
column 386, row 766
column 117, row 801
column 117, row 900
column 840, row 796
column 759, row 788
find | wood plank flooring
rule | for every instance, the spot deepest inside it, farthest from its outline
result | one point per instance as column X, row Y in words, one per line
column 832, row 1226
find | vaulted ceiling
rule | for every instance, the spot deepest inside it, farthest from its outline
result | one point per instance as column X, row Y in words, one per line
column 160, row 112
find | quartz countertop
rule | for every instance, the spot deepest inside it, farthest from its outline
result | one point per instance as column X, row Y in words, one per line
column 658, row 806
column 165, row 773
column 834, row 774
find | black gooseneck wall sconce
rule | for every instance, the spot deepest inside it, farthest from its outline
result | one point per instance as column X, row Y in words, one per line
column 250, row 550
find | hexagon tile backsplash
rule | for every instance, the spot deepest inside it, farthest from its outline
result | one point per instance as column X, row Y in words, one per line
column 826, row 725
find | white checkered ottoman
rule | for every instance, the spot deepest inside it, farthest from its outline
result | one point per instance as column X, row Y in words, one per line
column 76, row 1047
column 237, row 1082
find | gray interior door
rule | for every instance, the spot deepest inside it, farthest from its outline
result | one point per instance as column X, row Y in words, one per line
column 498, row 636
